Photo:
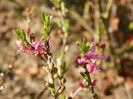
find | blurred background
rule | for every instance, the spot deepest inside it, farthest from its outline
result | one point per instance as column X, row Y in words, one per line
column 109, row 23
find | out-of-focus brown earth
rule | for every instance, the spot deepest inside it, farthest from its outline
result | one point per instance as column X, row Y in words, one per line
column 24, row 74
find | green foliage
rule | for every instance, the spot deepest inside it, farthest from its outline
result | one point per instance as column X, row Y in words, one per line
column 65, row 27
column 60, row 5
column 86, row 78
column 47, row 25
column 62, row 96
column 64, row 68
column 32, row 10
column 86, row 9
column 84, row 75
column 99, row 32
column 95, row 96
column 84, row 47
column 63, row 8
column 130, row 26
column 20, row 32
column 52, row 89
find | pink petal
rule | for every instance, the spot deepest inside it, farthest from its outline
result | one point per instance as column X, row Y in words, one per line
column 93, row 49
column 91, row 68
column 29, row 51
column 38, row 47
column 101, row 58
column 50, row 41
column 28, row 29
column 94, row 82
column 82, row 60
column 81, row 84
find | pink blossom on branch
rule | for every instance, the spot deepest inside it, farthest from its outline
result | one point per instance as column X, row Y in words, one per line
column 28, row 29
column 81, row 84
column 94, row 82
column 90, row 57
column 35, row 48
column 93, row 68
column 38, row 46
column 81, row 60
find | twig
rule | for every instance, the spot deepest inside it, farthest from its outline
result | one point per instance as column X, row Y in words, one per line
column 90, row 84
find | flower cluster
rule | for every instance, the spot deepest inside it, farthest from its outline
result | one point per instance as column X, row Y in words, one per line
column 41, row 48
column 81, row 84
column 29, row 45
column 32, row 47
column 89, row 59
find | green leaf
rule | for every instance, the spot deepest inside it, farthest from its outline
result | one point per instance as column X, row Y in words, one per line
column 32, row 10
column 86, row 9
column 130, row 26
column 84, row 47
column 62, row 96
column 84, row 75
column 47, row 24
column 52, row 89
column 65, row 27
column 64, row 69
column 63, row 8
column 20, row 32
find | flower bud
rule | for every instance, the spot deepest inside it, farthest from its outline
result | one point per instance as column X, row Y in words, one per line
column 54, row 70
column 56, row 75
column 94, row 82
column 32, row 37
column 69, row 97
column 50, row 80
column 1, row 88
column 81, row 84
column 27, row 10
column 103, row 46
column 63, row 80
column 28, row 29
column 61, row 89
column 47, row 84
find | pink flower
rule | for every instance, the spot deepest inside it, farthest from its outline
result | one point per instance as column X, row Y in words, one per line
column 28, row 50
column 81, row 84
column 89, row 57
column 35, row 49
column 50, row 41
column 93, row 68
column 28, row 29
column 38, row 46
column 91, row 54
column 94, row 82
column 103, row 46
column 82, row 60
